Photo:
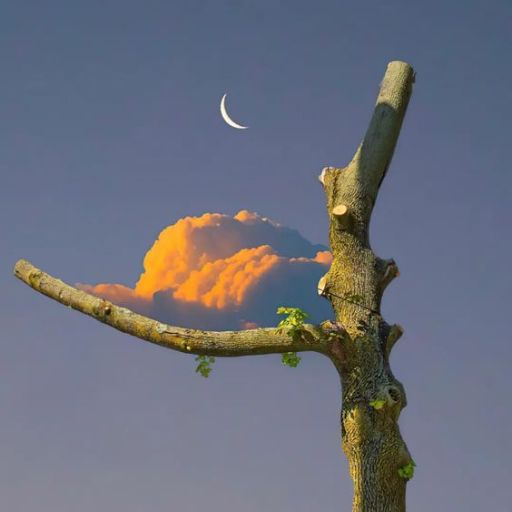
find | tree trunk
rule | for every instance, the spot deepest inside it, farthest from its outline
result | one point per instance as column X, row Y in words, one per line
column 359, row 343
column 379, row 461
column 372, row 396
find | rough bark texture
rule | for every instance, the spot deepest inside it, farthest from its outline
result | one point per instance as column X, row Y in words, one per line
column 222, row 344
column 372, row 396
column 358, row 343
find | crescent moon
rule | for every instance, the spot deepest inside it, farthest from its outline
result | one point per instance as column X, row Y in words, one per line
column 226, row 117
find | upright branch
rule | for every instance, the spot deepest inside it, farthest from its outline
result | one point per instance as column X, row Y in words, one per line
column 372, row 396
column 373, row 156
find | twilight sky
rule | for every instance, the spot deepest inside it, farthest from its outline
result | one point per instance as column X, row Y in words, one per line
column 110, row 132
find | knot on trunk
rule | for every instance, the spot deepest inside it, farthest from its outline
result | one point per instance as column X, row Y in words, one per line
column 389, row 400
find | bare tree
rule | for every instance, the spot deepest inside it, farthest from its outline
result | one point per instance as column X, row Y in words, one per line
column 358, row 342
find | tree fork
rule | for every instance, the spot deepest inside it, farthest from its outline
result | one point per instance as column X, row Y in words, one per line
column 372, row 396
column 358, row 342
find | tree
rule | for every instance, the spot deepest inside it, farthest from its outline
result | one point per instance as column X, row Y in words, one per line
column 359, row 342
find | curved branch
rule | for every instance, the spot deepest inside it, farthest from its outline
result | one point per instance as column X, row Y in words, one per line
column 224, row 343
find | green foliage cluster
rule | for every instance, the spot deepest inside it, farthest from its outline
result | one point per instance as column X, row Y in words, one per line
column 407, row 471
column 290, row 359
column 203, row 368
column 293, row 325
column 377, row 404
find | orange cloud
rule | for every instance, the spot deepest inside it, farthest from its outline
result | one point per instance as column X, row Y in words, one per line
column 323, row 257
column 225, row 282
column 214, row 261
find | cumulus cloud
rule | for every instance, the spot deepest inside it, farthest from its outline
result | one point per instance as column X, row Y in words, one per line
column 221, row 272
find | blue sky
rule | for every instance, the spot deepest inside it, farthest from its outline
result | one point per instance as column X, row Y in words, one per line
column 110, row 131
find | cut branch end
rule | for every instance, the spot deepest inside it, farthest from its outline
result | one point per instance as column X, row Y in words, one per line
column 323, row 174
column 342, row 215
column 389, row 272
column 322, row 284
column 340, row 210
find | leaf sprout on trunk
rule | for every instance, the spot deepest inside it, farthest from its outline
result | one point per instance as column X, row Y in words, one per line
column 292, row 325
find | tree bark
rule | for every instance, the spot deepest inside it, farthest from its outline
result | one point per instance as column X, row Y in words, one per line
column 358, row 343
column 372, row 396
column 248, row 342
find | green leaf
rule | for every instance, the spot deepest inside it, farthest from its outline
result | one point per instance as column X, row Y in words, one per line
column 290, row 359
column 377, row 404
column 407, row 471
column 294, row 320
column 292, row 325
column 203, row 368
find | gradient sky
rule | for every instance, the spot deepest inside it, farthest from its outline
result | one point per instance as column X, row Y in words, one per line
column 110, row 131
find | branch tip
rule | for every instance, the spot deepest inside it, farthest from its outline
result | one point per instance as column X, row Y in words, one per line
column 373, row 157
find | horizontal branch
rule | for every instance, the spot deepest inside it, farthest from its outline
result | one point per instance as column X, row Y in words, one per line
column 223, row 343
